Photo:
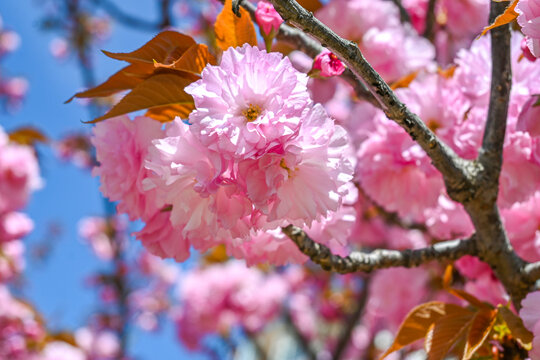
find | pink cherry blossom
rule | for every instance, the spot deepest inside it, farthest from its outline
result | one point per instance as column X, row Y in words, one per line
column 396, row 173
column 529, row 20
column 464, row 18
column 408, row 285
column 19, row 176
column 328, row 64
column 219, row 297
column 97, row 232
column 160, row 238
column 14, row 225
column 270, row 246
column 12, row 261
column 526, row 51
column 473, row 75
column 121, row 146
column 96, row 343
column 487, row 288
column 528, row 117
column 530, row 313
column 205, row 208
column 522, row 221
column 417, row 10
column 267, row 17
column 250, row 103
column 59, row 350
column 18, row 325
column 392, row 49
column 530, row 310
column 472, row 267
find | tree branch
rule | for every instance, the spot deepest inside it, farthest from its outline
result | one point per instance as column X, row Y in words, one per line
column 493, row 244
column 532, row 271
column 116, row 13
column 490, row 155
column 380, row 258
column 429, row 30
column 454, row 169
column 403, row 14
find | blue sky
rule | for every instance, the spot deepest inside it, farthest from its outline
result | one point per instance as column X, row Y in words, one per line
column 56, row 287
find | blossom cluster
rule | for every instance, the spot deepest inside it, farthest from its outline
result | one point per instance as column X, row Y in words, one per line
column 224, row 296
column 396, row 173
column 254, row 155
column 19, row 177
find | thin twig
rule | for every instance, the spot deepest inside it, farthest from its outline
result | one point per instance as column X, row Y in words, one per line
column 165, row 11
column 403, row 14
column 134, row 22
column 351, row 322
column 429, row 31
column 389, row 217
column 299, row 337
column 380, row 258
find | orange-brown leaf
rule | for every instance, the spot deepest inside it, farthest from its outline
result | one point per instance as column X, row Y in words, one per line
column 27, row 135
column 404, row 81
column 63, row 336
column 168, row 113
column 232, row 30
column 516, row 327
column 125, row 79
column 311, row 5
column 481, row 325
column 159, row 90
column 448, row 277
column 506, row 17
column 471, row 299
column 166, row 47
column 447, row 73
column 218, row 254
column 419, row 321
column 446, row 332
column 194, row 60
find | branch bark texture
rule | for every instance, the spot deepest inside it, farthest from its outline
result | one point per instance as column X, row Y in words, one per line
column 471, row 183
column 378, row 259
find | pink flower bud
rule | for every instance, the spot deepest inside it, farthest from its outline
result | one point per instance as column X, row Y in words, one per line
column 328, row 64
column 267, row 17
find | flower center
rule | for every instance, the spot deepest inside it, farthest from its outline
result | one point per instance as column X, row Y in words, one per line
column 252, row 112
column 283, row 165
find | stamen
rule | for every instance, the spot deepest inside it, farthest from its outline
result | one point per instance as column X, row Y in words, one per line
column 252, row 113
